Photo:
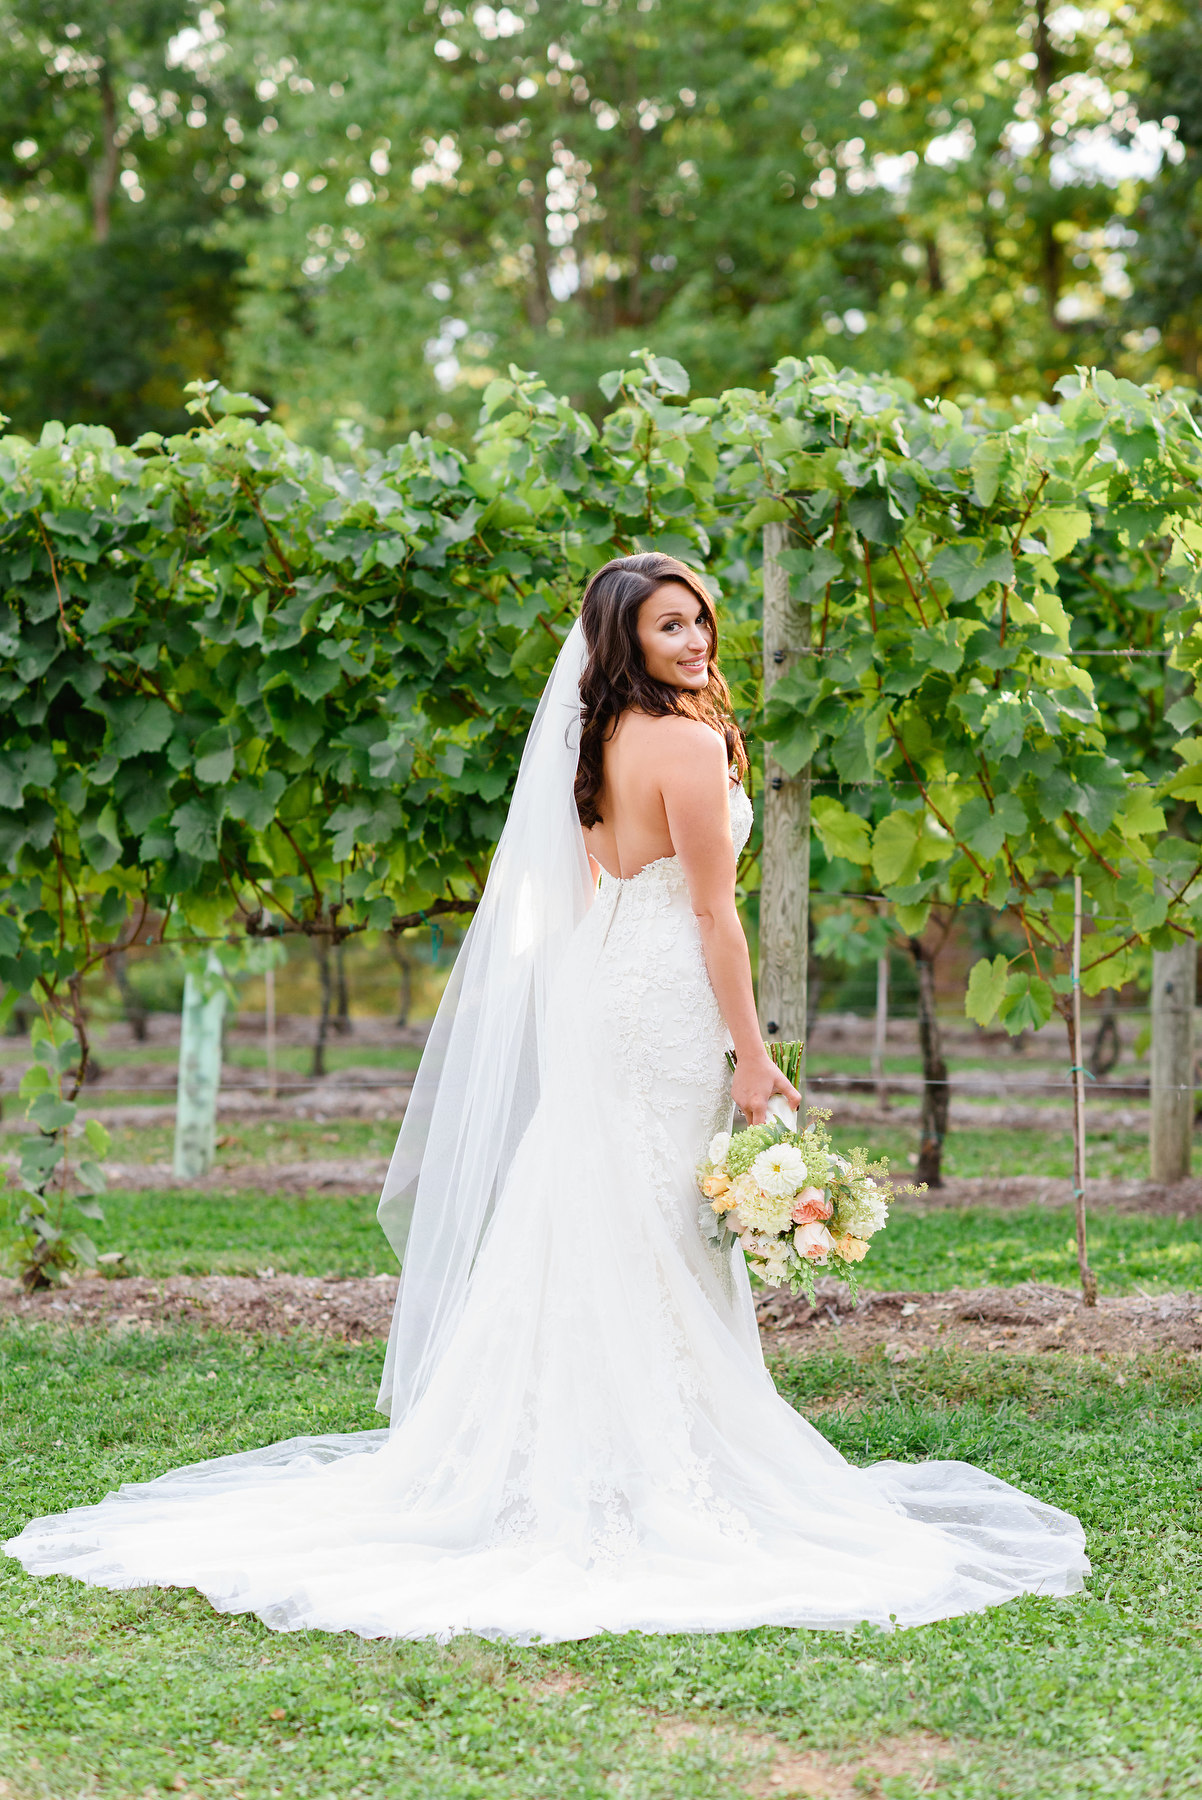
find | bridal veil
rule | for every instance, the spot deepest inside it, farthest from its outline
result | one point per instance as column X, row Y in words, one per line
column 482, row 1069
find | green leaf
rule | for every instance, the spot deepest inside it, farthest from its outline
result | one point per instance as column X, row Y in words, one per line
column 795, row 747
column 1062, row 527
column 49, row 1113
column 137, row 725
column 895, row 848
column 1028, row 1004
column 765, row 511
column 668, row 374
column 196, row 825
column 841, row 833
column 967, row 572
column 985, row 830
column 986, row 465
column 37, row 1079
column 256, row 804
column 854, row 750
column 986, row 988
column 871, row 516
column 97, row 1136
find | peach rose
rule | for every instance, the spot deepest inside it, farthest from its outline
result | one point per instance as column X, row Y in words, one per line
column 714, row 1185
column 851, row 1249
column 810, row 1207
column 813, row 1241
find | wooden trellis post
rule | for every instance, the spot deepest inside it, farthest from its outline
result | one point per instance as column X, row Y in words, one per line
column 1171, row 1125
column 785, row 860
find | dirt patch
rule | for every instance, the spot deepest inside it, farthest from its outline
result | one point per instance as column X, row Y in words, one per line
column 353, row 1310
column 778, row 1771
column 1009, row 1193
column 317, row 1174
column 1022, row 1321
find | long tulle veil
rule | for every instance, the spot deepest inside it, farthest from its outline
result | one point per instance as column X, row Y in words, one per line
column 481, row 1072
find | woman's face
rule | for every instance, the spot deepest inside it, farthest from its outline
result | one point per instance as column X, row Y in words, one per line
column 674, row 637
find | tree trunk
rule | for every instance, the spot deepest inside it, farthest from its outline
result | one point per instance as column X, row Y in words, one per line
column 104, row 175
column 1171, row 1126
column 785, row 857
column 1089, row 1281
column 322, row 947
column 404, row 962
column 342, row 1018
column 1107, row 1046
column 933, row 1122
column 131, row 1005
column 269, row 1031
column 1052, row 253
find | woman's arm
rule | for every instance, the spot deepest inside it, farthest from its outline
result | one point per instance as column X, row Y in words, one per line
column 695, row 784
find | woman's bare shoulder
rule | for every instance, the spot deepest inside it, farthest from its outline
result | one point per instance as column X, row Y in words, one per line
column 672, row 736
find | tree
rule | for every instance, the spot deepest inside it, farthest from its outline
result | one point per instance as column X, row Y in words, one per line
column 122, row 127
column 948, row 187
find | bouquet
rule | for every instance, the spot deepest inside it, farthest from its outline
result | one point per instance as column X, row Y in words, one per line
column 791, row 1201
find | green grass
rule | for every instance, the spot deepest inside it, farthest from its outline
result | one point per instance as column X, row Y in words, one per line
column 976, row 1247
column 243, row 1232
column 121, row 1695
column 273, row 1140
column 239, row 1233
column 971, row 1150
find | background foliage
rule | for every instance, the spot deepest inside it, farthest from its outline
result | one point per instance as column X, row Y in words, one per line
column 240, row 677
column 364, row 212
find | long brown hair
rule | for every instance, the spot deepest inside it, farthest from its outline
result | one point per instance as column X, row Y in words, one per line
column 616, row 678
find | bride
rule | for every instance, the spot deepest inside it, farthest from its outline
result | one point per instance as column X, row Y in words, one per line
column 583, row 1436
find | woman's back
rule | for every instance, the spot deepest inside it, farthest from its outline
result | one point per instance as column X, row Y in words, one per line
column 639, row 756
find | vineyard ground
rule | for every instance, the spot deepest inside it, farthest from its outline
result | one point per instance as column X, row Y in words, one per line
column 123, row 1695
column 254, row 1309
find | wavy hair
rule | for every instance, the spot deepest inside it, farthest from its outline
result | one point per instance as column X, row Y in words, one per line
column 615, row 677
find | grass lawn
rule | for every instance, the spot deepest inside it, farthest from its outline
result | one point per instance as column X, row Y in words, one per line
column 271, row 1140
column 147, row 1693
column 171, row 1233
column 971, row 1150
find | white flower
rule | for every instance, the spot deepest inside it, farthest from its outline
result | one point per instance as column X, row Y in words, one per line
column 841, row 1163
column 779, row 1171
column 719, row 1145
column 813, row 1241
column 759, row 1211
column 864, row 1210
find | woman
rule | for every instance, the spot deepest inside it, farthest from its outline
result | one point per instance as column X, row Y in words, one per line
column 584, row 1437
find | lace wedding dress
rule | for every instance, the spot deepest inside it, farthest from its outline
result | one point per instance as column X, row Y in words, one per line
column 600, row 1447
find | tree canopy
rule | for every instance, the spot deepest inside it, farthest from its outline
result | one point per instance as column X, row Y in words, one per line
column 365, row 212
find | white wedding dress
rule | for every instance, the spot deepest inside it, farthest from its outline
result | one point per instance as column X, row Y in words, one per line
column 598, row 1446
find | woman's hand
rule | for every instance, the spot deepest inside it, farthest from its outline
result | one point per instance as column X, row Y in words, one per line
column 753, row 1084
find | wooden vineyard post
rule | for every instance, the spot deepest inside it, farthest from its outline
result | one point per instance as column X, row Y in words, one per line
column 881, row 1032
column 785, row 858
column 199, row 1080
column 1171, row 1125
column 1089, row 1281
